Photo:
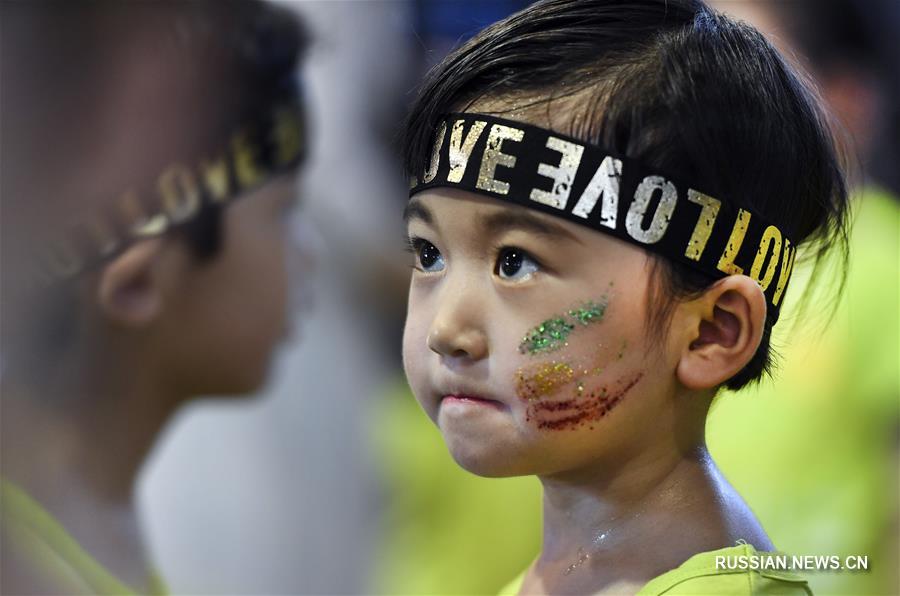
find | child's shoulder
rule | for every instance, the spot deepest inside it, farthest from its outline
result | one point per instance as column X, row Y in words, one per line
column 738, row 570
column 514, row 586
column 735, row 570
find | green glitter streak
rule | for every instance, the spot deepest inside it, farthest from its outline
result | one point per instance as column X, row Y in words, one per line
column 552, row 334
column 548, row 336
column 590, row 312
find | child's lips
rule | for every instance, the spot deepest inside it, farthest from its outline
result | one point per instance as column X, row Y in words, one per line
column 472, row 400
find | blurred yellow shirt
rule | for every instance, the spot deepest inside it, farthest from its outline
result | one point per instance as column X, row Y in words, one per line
column 49, row 550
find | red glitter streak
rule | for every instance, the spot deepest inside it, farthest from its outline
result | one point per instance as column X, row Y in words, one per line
column 554, row 406
column 584, row 410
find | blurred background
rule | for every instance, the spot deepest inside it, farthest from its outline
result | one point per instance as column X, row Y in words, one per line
column 333, row 482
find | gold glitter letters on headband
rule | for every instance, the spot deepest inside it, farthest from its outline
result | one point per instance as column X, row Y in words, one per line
column 726, row 261
column 704, row 227
column 180, row 193
column 287, row 137
column 661, row 218
column 604, row 184
column 493, row 157
column 562, row 175
column 432, row 170
column 245, row 160
column 139, row 222
column 215, row 177
column 460, row 149
column 541, row 169
column 787, row 264
column 770, row 236
column 254, row 153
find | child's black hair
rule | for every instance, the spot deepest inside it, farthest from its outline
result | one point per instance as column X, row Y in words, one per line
column 673, row 84
column 268, row 43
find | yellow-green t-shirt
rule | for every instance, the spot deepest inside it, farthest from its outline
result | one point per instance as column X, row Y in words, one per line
column 700, row 575
column 53, row 553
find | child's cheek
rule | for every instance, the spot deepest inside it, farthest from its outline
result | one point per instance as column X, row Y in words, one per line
column 587, row 376
column 551, row 335
column 415, row 354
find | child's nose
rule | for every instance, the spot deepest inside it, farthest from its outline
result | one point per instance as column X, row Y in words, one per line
column 456, row 332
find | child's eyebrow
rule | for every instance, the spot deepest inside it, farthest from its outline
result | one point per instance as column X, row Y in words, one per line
column 416, row 210
column 514, row 220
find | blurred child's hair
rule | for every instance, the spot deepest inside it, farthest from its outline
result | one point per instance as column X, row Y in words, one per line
column 679, row 87
column 62, row 66
column 62, row 61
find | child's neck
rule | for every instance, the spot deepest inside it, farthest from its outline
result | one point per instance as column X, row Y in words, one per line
column 98, row 441
column 622, row 528
column 79, row 457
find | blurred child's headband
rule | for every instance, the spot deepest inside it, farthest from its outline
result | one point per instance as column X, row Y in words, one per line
column 558, row 175
column 268, row 144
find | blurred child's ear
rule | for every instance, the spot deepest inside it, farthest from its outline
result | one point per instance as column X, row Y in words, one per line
column 725, row 328
column 130, row 290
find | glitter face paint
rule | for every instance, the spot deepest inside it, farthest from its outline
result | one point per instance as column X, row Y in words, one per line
column 545, row 379
column 583, row 410
column 551, row 335
column 548, row 336
column 583, row 403
column 542, row 380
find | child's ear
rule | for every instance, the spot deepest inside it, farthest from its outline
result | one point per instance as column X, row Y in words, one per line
column 726, row 327
column 130, row 286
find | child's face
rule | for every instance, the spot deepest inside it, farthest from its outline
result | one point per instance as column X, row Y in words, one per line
column 525, row 338
column 232, row 311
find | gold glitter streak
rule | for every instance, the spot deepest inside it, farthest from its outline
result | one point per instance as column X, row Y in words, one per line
column 542, row 380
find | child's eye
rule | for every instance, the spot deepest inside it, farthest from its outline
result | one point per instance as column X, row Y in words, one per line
column 515, row 264
column 429, row 258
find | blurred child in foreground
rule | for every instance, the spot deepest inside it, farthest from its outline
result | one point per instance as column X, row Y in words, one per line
column 149, row 152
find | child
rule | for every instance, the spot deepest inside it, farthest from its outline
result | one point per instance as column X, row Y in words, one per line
column 133, row 278
column 607, row 201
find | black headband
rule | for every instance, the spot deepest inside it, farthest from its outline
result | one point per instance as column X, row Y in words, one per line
column 268, row 144
column 559, row 175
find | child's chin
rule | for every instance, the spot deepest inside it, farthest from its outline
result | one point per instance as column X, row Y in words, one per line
column 487, row 459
